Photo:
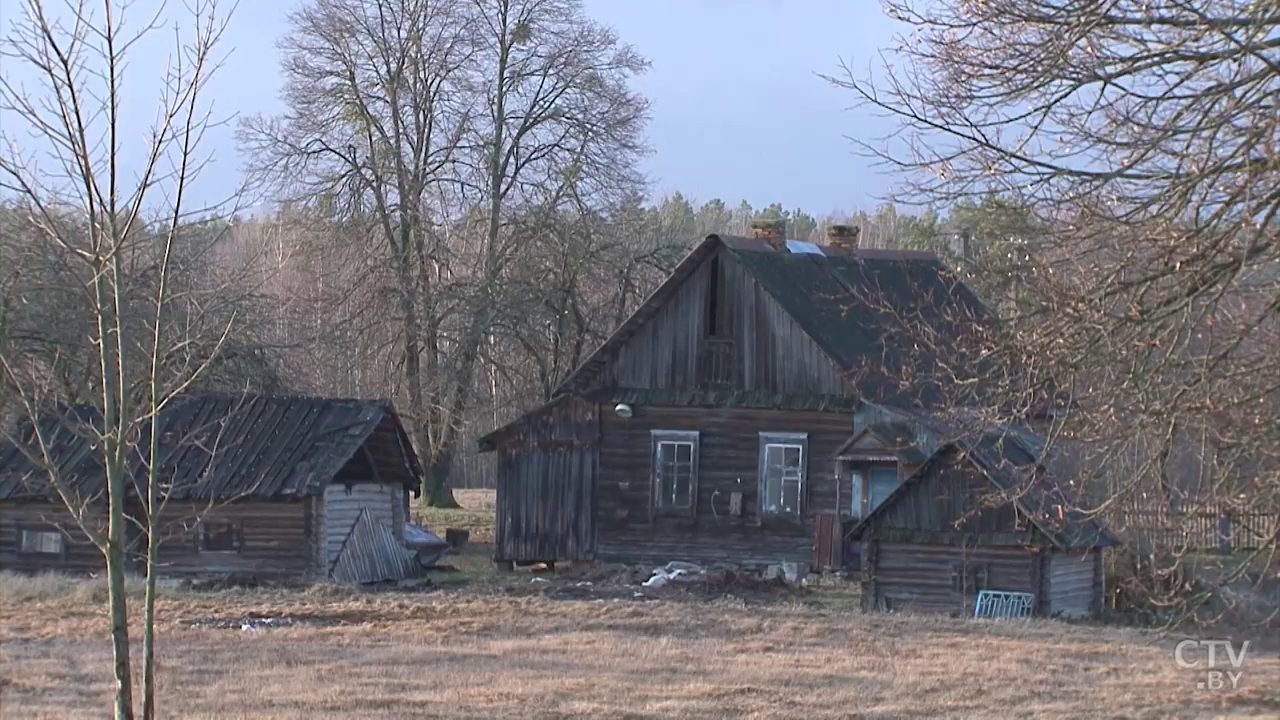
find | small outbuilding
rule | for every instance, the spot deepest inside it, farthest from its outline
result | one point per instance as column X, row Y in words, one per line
column 272, row 487
column 980, row 516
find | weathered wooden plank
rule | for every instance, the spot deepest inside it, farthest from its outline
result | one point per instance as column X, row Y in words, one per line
column 925, row 577
column 769, row 350
column 1072, row 589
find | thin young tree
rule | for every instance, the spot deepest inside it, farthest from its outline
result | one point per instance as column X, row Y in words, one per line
column 109, row 209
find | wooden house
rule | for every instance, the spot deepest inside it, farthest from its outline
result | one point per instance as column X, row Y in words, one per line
column 288, row 488
column 979, row 509
column 707, row 426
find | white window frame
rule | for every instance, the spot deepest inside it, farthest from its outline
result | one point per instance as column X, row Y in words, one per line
column 42, row 542
column 660, row 505
column 783, row 441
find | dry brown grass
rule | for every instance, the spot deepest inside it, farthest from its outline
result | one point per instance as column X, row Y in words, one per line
column 484, row 647
column 485, row 654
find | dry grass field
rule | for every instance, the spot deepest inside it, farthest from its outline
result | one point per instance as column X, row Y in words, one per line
column 497, row 647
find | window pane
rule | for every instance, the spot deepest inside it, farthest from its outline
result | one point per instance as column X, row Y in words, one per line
column 666, row 484
column 684, row 452
column 791, row 497
column 34, row 541
column 791, row 456
column 773, row 488
column 682, row 482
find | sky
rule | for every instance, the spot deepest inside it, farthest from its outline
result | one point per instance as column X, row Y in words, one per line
column 738, row 111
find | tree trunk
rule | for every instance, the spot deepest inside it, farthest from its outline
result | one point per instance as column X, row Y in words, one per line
column 149, row 631
column 438, row 493
column 117, row 601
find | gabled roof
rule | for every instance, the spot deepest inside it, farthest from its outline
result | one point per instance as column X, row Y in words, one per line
column 897, row 439
column 1014, row 460
column 224, row 447
column 217, row 446
column 867, row 309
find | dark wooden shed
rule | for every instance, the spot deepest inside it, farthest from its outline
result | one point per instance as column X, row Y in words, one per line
column 263, row 486
column 981, row 513
column 707, row 427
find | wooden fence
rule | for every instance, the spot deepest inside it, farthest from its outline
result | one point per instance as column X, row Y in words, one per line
column 1203, row 528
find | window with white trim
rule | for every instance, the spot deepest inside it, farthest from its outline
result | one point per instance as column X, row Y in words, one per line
column 42, row 542
column 675, row 472
column 782, row 473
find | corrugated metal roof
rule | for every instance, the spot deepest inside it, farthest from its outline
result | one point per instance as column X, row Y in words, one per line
column 225, row 447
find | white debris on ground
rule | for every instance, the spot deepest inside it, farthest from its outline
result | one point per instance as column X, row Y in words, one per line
column 254, row 621
column 676, row 571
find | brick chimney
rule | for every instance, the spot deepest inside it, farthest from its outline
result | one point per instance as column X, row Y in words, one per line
column 773, row 232
column 843, row 236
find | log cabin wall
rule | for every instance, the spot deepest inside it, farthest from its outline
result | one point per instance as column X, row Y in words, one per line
column 277, row 539
column 77, row 555
column 729, row 451
column 759, row 346
column 547, row 474
column 944, row 578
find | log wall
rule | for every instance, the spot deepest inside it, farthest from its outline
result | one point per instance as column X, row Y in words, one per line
column 729, row 454
column 79, row 554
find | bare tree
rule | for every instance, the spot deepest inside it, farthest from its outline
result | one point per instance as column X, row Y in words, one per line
column 110, row 213
column 427, row 127
column 1140, row 137
column 370, row 136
